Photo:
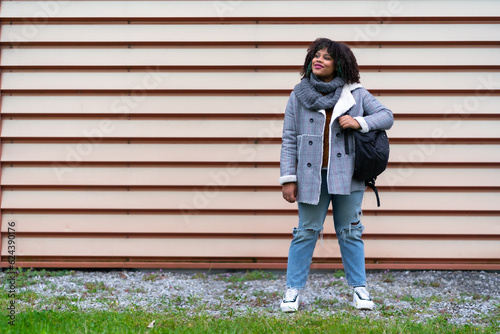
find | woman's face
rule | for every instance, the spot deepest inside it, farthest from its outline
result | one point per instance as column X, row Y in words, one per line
column 322, row 65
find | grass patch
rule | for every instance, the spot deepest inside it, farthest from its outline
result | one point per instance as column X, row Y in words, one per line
column 336, row 280
column 339, row 274
column 325, row 303
column 152, row 276
column 494, row 317
column 136, row 290
column 27, row 277
column 182, row 322
column 388, row 277
column 472, row 297
column 237, row 286
column 331, row 283
column 94, row 287
column 248, row 276
column 423, row 284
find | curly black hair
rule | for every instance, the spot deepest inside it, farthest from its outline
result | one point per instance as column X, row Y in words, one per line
column 345, row 63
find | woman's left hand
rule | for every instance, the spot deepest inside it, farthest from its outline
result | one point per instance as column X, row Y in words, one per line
column 347, row 122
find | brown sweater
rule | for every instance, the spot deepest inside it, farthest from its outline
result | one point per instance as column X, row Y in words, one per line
column 326, row 137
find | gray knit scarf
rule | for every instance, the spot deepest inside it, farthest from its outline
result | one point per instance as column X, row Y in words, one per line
column 310, row 92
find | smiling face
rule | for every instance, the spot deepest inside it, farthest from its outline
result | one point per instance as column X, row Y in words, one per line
column 323, row 66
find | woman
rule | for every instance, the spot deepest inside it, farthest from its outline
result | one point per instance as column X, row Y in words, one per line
column 315, row 169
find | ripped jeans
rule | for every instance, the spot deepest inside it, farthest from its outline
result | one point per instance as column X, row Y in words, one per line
column 346, row 217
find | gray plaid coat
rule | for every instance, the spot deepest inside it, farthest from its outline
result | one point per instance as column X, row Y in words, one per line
column 302, row 144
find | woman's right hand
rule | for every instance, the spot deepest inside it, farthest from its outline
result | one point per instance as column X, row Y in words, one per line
column 289, row 191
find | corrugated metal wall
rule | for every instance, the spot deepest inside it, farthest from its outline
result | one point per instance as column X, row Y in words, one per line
column 147, row 133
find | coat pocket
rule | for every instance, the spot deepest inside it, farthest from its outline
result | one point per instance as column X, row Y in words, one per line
column 309, row 154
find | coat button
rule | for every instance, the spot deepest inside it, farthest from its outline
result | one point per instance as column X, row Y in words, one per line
column 310, row 142
column 308, row 164
column 339, row 155
column 311, row 120
column 338, row 134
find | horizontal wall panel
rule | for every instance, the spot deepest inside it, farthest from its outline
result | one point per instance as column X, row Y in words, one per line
column 112, row 128
column 87, row 151
column 124, row 105
column 178, row 176
column 145, row 128
column 425, row 56
column 462, row 128
column 216, row 198
column 153, row 57
column 439, row 177
column 231, row 176
column 208, row 247
column 435, row 152
column 244, row 224
column 480, row 102
column 139, row 9
column 245, row 32
column 242, row 56
column 141, row 82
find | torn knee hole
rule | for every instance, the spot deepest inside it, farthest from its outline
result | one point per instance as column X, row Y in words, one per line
column 305, row 229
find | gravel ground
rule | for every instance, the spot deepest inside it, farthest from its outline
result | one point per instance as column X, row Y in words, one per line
column 462, row 297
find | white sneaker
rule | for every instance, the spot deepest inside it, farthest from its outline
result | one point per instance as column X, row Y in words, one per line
column 290, row 302
column 362, row 300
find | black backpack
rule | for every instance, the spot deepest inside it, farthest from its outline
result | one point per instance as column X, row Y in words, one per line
column 371, row 154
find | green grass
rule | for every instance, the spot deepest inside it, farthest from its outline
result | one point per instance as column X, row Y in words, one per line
column 248, row 276
column 388, row 277
column 94, row 287
column 181, row 322
column 152, row 276
column 27, row 277
column 339, row 274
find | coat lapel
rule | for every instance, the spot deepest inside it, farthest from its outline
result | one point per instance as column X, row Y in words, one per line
column 346, row 100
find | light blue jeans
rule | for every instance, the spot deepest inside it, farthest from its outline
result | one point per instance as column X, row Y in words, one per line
column 348, row 227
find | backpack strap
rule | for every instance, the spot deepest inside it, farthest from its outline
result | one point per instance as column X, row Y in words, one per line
column 347, row 132
column 346, row 142
column 371, row 184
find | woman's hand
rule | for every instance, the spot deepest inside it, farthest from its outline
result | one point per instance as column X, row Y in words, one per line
column 347, row 122
column 289, row 191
